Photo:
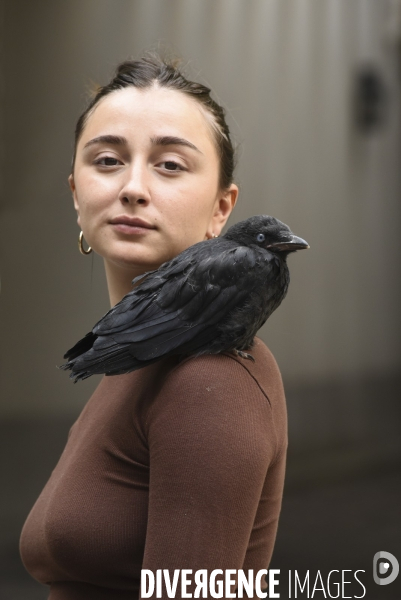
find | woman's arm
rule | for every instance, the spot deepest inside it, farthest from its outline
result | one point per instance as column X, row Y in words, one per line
column 213, row 446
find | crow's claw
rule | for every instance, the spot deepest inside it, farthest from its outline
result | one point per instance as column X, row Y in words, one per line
column 244, row 355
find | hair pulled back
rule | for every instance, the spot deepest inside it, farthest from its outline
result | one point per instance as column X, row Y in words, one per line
column 147, row 71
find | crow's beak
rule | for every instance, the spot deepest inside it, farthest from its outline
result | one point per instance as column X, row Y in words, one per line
column 294, row 243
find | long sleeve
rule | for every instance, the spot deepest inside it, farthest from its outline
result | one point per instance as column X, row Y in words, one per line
column 178, row 465
column 216, row 469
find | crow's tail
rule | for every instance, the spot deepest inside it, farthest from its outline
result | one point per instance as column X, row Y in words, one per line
column 108, row 357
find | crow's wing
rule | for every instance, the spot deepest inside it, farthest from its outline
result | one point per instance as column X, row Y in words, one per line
column 180, row 302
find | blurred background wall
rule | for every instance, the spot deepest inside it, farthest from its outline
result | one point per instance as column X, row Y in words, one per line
column 312, row 92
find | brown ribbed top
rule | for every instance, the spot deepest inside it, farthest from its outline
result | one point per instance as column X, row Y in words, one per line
column 179, row 465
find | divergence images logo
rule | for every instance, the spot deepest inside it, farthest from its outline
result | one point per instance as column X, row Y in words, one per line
column 386, row 564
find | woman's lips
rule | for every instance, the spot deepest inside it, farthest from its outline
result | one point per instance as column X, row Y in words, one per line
column 130, row 229
column 131, row 225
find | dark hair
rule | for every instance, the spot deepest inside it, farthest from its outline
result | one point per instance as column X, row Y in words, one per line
column 143, row 73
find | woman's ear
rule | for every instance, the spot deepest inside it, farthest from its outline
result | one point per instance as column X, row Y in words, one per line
column 71, row 183
column 223, row 207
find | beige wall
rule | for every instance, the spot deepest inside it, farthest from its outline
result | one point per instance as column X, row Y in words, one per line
column 284, row 70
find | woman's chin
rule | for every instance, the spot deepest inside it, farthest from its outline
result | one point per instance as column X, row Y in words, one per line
column 139, row 257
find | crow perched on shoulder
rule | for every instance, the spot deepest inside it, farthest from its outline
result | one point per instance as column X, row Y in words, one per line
column 212, row 297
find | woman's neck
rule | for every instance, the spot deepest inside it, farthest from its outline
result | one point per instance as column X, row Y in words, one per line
column 119, row 280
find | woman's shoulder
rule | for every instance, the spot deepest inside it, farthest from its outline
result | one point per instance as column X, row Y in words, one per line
column 262, row 368
column 221, row 376
column 227, row 394
column 225, row 381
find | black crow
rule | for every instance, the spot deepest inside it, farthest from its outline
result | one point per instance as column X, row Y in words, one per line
column 212, row 297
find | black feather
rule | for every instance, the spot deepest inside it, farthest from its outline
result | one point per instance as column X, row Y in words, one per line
column 211, row 298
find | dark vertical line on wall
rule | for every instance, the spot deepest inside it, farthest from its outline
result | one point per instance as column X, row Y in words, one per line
column 2, row 94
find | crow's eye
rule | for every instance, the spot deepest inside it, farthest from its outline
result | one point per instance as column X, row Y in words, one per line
column 260, row 237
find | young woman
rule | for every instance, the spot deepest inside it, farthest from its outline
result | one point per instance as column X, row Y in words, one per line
column 179, row 465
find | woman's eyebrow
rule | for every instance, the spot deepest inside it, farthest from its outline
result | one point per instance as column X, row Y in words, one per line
column 170, row 140
column 116, row 140
column 166, row 140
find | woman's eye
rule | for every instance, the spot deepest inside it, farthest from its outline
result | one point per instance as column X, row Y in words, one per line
column 107, row 161
column 171, row 165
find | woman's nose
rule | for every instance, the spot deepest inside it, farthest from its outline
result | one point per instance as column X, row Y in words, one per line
column 135, row 188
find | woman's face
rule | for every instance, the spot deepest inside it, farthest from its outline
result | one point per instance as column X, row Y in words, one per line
column 145, row 181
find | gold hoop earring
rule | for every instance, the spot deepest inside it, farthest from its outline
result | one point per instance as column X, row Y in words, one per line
column 80, row 245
